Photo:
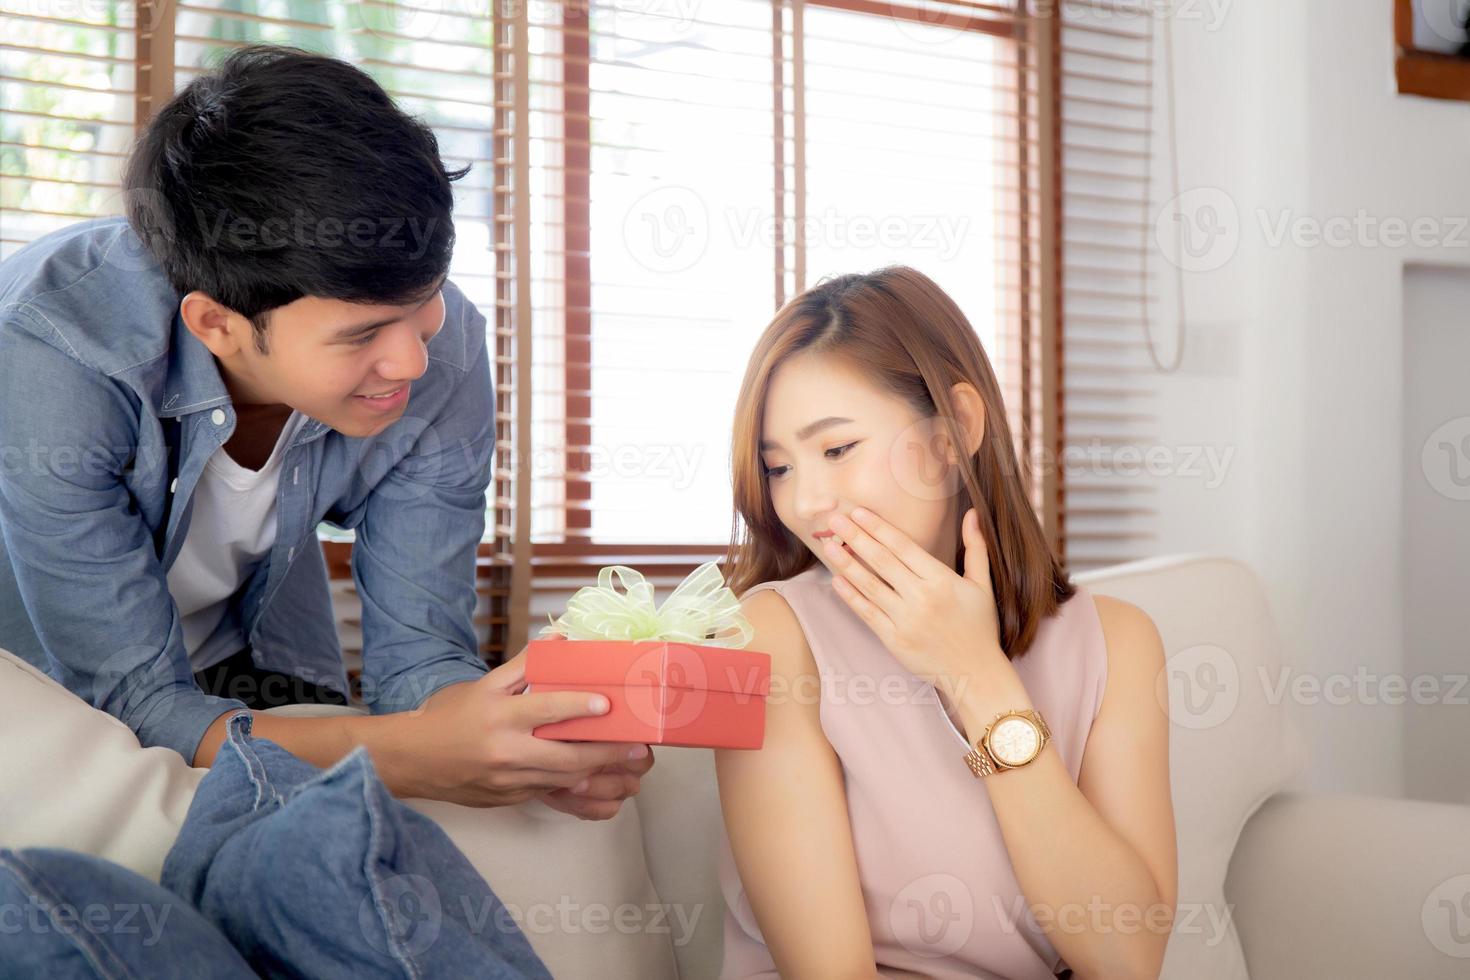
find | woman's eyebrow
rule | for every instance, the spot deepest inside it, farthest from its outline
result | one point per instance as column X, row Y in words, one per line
column 807, row 431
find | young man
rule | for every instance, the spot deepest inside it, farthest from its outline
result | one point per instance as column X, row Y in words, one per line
column 268, row 341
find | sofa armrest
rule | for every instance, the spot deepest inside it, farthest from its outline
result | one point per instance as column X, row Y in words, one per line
column 1353, row 886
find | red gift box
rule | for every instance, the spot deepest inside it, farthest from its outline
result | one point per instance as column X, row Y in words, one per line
column 660, row 693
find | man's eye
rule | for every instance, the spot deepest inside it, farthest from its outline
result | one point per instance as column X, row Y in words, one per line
column 837, row 452
column 364, row 340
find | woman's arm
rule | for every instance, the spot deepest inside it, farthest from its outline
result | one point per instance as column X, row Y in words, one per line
column 1096, row 860
column 786, row 815
column 1125, row 766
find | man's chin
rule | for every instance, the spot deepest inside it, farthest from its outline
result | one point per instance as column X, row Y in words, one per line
column 355, row 427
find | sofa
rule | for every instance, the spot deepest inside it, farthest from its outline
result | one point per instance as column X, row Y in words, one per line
column 1274, row 882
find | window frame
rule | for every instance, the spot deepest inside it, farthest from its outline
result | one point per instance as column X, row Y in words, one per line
column 1034, row 379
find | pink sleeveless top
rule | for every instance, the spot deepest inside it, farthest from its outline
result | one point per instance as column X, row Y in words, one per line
column 941, row 895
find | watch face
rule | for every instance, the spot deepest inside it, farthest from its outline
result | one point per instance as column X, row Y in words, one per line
column 1015, row 741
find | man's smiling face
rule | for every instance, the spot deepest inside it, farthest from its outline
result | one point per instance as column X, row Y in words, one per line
column 348, row 365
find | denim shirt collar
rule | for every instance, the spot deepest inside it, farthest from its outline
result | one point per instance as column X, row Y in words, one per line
column 193, row 382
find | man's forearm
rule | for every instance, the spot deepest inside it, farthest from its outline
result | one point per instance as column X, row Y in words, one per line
column 321, row 741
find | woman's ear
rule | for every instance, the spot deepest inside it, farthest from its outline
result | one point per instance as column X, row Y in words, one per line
column 969, row 409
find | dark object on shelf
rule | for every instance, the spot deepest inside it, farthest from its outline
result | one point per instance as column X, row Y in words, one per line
column 1442, row 73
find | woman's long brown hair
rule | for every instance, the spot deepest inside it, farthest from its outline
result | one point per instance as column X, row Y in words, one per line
column 901, row 330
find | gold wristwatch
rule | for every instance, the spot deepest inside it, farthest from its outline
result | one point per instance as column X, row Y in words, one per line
column 1012, row 740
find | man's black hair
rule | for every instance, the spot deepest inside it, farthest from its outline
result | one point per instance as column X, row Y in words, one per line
column 282, row 174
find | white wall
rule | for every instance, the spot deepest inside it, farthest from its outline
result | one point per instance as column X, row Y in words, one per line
column 1436, row 527
column 1289, row 109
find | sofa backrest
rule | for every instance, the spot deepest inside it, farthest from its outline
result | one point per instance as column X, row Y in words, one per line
column 1232, row 741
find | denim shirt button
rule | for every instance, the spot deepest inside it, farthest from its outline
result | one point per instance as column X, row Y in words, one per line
column 218, row 416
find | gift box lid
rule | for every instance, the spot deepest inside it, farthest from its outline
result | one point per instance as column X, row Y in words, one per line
column 649, row 662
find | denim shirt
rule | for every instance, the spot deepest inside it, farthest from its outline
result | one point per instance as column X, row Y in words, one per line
column 109, row 409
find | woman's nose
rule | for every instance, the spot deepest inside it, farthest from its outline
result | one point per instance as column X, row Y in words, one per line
column 814, row 499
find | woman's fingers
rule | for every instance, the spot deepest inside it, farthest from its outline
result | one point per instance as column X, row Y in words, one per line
column 874, row 589
column 977, row 555
column 913, row 555
column 893, row 572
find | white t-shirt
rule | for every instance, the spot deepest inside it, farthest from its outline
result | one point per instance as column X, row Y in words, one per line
column 232, row 528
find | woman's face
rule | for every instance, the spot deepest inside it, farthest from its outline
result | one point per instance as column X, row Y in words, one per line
column 832, row 441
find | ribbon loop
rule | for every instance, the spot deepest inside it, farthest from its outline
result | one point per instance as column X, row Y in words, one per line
column 701, row 610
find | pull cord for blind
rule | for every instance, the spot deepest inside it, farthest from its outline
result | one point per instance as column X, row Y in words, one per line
column 1148, row 332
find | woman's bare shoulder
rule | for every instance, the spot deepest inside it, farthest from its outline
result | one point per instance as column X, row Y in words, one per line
column 778, row 632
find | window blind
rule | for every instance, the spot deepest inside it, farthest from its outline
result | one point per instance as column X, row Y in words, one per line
column 67, row 100
column 1108, row 433
column 679, row 175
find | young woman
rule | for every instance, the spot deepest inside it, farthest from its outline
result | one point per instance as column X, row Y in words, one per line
column 892, row 565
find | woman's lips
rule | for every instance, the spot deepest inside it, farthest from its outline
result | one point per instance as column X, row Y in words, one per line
column 823, row 536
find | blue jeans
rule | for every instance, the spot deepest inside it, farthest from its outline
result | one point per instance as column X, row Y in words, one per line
column 323, row 874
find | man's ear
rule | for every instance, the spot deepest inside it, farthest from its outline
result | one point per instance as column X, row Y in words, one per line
column 969, row 410
column 217, row 326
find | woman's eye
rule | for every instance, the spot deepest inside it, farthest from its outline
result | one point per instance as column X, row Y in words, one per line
column 837, row 452
column 776, row 471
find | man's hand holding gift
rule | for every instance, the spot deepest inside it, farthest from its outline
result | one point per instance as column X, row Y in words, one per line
column 609, row 677
column 471, row 743
column 600, row 795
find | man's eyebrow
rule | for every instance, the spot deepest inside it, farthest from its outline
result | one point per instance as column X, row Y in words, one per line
column 807, row 431
column 347, row 333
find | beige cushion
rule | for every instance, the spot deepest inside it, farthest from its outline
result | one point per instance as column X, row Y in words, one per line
column 1229, row 747
column 579, row 888
column 75, row 777
column 1338, row 885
